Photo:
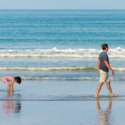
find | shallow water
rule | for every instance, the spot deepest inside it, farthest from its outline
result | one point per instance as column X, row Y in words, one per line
column 61, row 102
column 61, row 91
column 60, row 113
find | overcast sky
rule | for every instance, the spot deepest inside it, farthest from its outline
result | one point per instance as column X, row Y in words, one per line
column 62, row 4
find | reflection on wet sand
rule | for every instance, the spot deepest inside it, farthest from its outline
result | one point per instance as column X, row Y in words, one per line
column 104, row 116
column 9, row 107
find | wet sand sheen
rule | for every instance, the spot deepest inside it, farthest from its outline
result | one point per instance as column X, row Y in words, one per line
column 61, row 102
column 62, row 91
column 69, row 112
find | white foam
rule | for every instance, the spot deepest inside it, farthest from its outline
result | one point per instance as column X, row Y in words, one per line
column 72, row 78
column 47, row 68
column 58, row 68
column 59, row 53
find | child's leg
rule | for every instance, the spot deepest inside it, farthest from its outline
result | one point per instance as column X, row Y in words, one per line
column 7, row 83
column 8, row 88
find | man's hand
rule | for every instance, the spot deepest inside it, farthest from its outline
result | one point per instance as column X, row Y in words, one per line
column 98, row 70
column 112, row 72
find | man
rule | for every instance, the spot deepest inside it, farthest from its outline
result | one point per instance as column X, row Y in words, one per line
column 103, row 68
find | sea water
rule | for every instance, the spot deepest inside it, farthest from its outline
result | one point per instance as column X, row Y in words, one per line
column 63, row 46
column 60, row 44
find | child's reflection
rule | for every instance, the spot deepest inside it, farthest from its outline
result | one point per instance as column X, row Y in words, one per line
column 104, row 116
column 11, row 106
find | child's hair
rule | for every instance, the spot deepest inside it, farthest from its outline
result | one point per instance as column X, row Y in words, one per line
column 18, row 79
column 104, row 46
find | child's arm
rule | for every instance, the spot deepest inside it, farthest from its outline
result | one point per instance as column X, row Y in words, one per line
column 12, row 84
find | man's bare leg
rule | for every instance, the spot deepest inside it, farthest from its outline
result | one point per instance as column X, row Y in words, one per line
column 97, row 105
column 98, row 89
column 110, row 90
column 109, row 106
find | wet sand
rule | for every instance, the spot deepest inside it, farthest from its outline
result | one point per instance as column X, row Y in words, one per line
column 62, row 102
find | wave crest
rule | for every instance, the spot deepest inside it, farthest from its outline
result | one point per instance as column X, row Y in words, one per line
column 72, row 68
column 59, row 53
column 71, row 78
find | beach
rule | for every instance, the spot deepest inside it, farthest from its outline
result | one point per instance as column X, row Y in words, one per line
column 84, row 112
column 61, row 102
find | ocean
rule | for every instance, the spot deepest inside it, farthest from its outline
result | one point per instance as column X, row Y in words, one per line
column 55, row 52
column 61, row 44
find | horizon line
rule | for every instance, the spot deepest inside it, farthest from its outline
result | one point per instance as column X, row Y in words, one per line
column 62, row 9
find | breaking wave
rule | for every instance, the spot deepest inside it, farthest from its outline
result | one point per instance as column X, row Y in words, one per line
column 72, row 68
column 58, row 53
column 71, row 78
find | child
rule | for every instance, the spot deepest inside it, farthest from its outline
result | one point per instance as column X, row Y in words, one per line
column 6, row 80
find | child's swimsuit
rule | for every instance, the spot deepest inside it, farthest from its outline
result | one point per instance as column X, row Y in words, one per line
column 6, row 79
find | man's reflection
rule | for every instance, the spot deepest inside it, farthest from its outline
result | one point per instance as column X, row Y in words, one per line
column 11, row 106
column 104, row 116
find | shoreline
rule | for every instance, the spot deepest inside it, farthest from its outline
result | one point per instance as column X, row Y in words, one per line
column 62, row 91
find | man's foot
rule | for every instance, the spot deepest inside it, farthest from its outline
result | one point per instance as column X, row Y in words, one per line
column 96, row 96
column 114, row 95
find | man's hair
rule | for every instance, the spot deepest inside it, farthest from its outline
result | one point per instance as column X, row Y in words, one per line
column 104, row 46
column 18, row 79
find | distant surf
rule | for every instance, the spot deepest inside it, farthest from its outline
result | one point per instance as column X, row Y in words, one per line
column 68, row 78
column 118, row 53
column 72, row 68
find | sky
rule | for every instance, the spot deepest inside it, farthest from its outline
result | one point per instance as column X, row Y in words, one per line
column 62, row 4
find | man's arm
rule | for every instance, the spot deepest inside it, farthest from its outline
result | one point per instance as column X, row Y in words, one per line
column 98, row 65
column 108, row 66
